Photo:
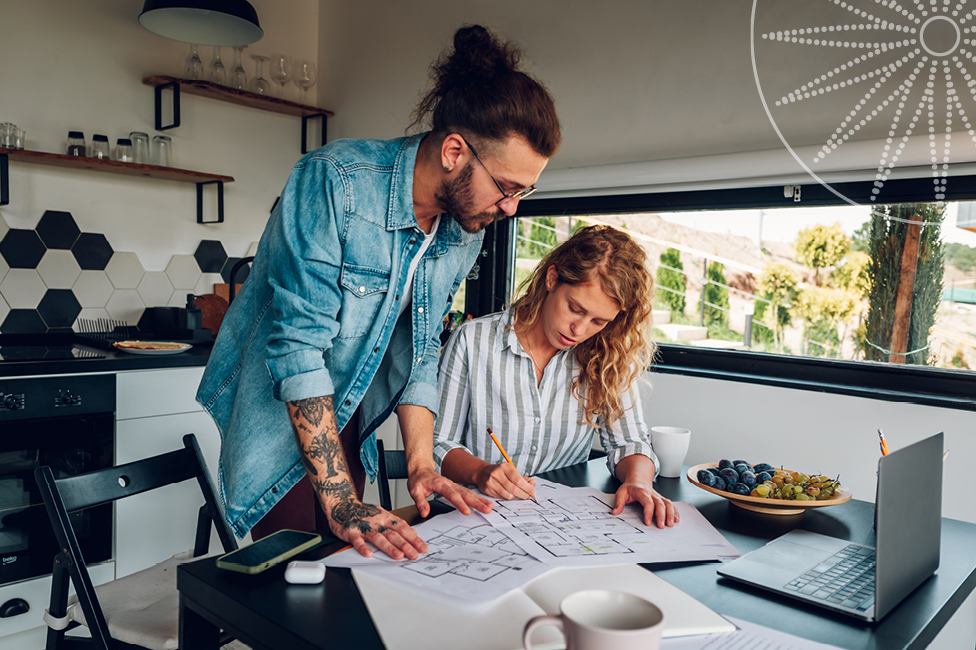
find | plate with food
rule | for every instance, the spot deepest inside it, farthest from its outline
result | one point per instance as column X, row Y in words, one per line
column 152, row 348
column 764, row 488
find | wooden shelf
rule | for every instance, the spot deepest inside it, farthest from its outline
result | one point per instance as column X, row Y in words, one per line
column 241, row 97
column 112, row 166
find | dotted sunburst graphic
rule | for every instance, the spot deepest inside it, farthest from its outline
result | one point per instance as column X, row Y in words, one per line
column 895, row 74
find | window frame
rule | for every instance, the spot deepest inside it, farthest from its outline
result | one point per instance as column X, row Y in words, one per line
column 955, row 389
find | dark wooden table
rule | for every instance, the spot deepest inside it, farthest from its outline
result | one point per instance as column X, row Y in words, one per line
column 267, row 613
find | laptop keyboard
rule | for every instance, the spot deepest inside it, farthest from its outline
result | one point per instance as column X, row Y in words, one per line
column 846, row 578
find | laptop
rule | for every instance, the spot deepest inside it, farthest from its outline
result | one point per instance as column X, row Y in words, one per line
column 863, row 581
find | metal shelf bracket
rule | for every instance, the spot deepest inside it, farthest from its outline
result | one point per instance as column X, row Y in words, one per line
column 305, row 119
column 175, row 85
column 4, row 180
column 220, row 201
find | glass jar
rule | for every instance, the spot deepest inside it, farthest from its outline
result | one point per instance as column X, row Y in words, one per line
column 99, row 148
column 140, row 147
column 162, row 150
column 76, row 144
column 123, row 150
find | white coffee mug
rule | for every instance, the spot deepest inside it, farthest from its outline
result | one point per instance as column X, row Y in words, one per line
column 602, row 619
column 671, row 446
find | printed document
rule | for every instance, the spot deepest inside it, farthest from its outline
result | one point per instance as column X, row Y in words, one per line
column 573, row 527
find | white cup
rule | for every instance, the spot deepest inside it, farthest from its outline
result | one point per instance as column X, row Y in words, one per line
column 671, row 446
column 601, row 619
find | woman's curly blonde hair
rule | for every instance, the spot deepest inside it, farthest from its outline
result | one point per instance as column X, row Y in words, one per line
column 611, row 360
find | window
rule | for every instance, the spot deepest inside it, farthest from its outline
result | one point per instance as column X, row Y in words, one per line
column 827, row 297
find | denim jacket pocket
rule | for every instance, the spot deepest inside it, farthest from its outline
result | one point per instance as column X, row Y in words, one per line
column 364, row 290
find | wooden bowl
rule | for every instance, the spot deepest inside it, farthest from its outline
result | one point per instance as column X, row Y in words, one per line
column 769, row 506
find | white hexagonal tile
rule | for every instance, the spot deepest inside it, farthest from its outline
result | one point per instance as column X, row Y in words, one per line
column 90, row 314
column 3, row 227
column 125, row 270
column 155, row 289
column 252, row 250
column 206, row 283
column 183, row 271
column 92, row 289
column 125, row 305
column 178, row 299
column 4, row 267
column 22, row 288
column 59, row 269
column 4, row 309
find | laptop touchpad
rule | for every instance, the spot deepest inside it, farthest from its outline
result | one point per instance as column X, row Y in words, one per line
column 789, row 556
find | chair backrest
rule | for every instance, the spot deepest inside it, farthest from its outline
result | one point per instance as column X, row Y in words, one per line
column 392, row 465
column 66, row 495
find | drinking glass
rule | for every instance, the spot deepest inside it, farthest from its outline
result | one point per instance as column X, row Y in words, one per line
column 238, row 78
column 162, row 150
column 259, row 84
column 281, row 72
column 218, row 73
column 140, row 147
column 304, row 73
column 194, row 65
column 7, row 135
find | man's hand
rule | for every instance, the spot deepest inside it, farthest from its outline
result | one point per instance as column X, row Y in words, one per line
column 426, row 482
column 656, row 507
column 357, row 523
column 503, row 481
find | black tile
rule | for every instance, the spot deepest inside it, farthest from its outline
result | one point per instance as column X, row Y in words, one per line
column 22, row 249
column 92, row 251
column 242, row 272
column 23, row 321
column 58, row 229
column 59, row 308
column 210, row 256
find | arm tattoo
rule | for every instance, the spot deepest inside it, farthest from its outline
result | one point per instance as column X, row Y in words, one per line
column 328, row 451
column 313, row 408
column 352, row 514
column 341, row 490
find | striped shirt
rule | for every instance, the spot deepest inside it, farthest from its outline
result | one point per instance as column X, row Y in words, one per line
column 487, row 380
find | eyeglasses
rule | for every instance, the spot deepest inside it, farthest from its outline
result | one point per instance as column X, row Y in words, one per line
column 517, row 194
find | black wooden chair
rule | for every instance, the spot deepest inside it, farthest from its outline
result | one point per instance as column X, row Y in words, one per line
column 392, row 465
column 140, row 610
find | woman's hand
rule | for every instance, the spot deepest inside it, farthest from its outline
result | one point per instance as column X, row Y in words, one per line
column 503, row 481
column 656, row 507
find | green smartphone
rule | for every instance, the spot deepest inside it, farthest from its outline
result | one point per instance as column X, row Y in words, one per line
column 269, row 551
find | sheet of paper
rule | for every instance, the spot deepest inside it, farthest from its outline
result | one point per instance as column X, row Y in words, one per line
column 410, row 620
column 466, row 559
column 749, row 636
column 574, row 527
column 683, row 614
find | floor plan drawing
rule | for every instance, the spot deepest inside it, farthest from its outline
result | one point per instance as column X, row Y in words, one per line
column 573, row 526
column 466, row 558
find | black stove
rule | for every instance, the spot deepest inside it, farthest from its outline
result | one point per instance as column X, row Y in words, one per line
column 47, row 347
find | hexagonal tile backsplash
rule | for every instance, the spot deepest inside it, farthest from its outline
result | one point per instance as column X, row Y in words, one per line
column 55, row 274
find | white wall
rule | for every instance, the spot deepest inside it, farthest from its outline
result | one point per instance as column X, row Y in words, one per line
column 812, row 431
column 67, row 65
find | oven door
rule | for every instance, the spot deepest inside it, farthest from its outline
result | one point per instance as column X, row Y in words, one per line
column 69, row 445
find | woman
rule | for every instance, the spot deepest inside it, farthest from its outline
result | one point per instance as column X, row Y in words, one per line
column 553, row 369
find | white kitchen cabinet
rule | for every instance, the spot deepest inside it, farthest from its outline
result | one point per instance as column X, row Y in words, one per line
column 155, row 410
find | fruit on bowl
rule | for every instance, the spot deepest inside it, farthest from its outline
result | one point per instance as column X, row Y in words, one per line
column 764, row 488
column 765, row 481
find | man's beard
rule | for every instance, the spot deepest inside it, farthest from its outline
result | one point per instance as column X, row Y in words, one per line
column 455, row 197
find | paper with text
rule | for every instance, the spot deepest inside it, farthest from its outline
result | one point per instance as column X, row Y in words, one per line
column 466, row 558
column 574, row 527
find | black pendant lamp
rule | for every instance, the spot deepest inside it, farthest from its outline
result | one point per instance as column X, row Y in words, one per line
column 203, row 22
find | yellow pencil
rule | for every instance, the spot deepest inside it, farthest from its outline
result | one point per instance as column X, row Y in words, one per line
column 505, row 454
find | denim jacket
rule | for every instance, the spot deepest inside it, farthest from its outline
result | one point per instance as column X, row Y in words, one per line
column 318, row 315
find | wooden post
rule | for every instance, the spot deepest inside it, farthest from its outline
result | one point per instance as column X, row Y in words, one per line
column 906, row 288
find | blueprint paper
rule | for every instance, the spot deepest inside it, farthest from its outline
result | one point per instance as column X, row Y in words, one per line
column 466, row 558
column 574, row 527
column 749, row 636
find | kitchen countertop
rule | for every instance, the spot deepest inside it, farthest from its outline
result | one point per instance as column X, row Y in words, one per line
column 114, row 361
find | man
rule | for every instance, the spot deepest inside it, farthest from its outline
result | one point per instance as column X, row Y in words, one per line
column 339, row 322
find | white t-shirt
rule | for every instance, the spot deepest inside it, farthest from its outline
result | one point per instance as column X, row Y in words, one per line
column 414, row 263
